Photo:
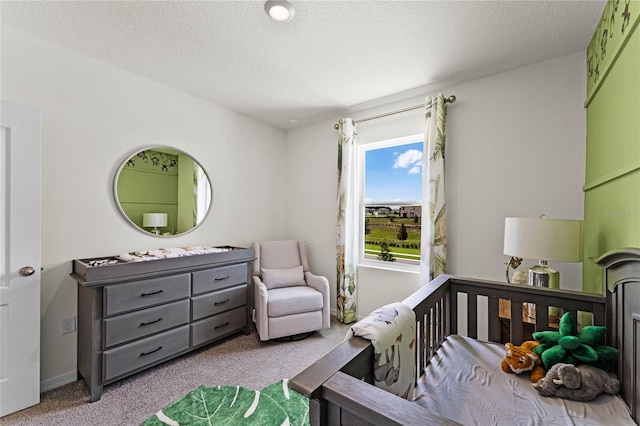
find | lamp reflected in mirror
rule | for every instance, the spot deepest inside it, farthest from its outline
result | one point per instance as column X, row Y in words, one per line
column 163, row 191
column 155, row 221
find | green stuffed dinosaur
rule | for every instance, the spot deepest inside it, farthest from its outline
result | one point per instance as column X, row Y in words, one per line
column 569, row 346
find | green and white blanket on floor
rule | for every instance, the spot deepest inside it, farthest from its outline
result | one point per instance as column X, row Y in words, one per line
column 234, row 405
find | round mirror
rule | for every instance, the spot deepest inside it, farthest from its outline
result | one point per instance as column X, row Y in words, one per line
column 163, row 191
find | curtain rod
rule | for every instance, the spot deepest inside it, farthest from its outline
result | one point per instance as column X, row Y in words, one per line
column 451, row 99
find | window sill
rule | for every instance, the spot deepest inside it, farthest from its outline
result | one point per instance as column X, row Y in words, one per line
column 389, row 266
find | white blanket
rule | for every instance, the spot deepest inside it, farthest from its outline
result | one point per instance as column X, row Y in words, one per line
column 392, row 331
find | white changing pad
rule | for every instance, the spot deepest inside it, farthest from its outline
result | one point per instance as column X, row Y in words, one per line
column 465, row 383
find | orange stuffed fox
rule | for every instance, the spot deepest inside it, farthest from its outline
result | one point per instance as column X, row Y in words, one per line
column 522, row 358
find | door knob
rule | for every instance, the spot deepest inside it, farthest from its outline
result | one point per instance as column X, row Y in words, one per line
column 26, row 271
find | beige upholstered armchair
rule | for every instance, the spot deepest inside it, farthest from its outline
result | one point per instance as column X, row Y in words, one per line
column 288, row 299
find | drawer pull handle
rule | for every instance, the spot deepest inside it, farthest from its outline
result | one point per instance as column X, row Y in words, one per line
column 151, row 293
column 150, row 322
column 150, row 352
column 221, row 278
column 221, row 326
column 221, row 303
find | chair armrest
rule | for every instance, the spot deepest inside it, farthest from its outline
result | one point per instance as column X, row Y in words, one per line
column 260, row 299
column 318, row 282
column 321, row 284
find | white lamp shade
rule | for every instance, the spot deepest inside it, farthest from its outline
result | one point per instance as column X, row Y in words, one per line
column 543, row 239
column 154, row 220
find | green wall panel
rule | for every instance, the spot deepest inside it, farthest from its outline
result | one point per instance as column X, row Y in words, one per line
column 613, row 123
column 616, row 24
column 149, row 184
column 147, row 187
column 611, row 221
column 612, row 175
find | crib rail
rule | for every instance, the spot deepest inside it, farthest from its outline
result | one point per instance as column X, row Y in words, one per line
column 339, row 384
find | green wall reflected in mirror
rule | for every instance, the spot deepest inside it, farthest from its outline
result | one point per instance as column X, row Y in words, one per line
column 163, row 180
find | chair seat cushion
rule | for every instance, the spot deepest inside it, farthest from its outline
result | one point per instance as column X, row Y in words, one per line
column 293, row 300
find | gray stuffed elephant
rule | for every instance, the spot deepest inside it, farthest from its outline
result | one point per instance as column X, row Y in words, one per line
column 581, row 383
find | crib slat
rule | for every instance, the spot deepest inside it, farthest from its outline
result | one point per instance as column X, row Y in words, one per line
column 420, row 344
column 437, row 326
column 446, row 325
column 516, row 323
column 542, row 317
column 494, row 319
column 472, row 315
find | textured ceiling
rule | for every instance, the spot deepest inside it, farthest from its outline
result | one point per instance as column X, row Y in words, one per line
column 333, row 56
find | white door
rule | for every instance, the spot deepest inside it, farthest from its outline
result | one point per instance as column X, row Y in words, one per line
column 19, row 257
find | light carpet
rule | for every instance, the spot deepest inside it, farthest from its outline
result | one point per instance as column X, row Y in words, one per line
column 238, row 361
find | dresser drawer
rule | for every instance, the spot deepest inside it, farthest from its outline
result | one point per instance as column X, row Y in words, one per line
column 218, row 326
column 218, row 278
column 135, row 295
column 134, row 325
column 214, row 303
column 139, row 354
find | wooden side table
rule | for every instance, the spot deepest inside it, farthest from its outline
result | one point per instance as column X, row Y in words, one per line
column 528, row 321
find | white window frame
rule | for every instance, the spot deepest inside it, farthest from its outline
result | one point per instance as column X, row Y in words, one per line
column 361, row 166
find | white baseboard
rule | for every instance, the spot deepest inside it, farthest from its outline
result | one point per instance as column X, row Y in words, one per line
column 56, row 382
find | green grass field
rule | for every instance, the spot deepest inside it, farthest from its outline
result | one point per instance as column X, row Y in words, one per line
column 383, row 229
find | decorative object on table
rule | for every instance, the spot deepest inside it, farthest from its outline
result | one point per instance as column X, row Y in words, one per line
column 569, row 346
column 544, row 239
column 514, row 262
column 581, row 383
column 276, row 404
column 519, row 359
column 155, row 221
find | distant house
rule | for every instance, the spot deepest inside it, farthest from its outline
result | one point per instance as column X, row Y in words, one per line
column 378, row 211
column 413, row 210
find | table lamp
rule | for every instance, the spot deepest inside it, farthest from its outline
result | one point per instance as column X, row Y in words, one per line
column 544, row 239
column 154, row 220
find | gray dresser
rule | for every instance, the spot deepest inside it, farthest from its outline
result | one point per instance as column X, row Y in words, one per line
column 132, row 316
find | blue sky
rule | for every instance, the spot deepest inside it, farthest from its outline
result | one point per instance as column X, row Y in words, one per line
column 393, row 173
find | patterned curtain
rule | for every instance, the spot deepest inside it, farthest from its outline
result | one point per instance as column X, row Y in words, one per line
column 433, row 252
column 347, row 257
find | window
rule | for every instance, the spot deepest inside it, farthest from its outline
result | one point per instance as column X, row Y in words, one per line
column 390, row 206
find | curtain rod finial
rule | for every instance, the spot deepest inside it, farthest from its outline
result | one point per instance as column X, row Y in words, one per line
column 451, row 99
column 336, row 126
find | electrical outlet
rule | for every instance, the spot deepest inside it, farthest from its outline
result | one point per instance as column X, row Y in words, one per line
column 68, row 325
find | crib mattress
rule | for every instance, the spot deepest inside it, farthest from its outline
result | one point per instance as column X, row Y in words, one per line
column 465, row 383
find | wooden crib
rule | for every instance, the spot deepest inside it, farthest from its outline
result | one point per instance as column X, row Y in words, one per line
column 339, row 384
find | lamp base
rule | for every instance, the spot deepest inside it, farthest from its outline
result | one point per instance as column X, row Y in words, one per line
column 542, row 275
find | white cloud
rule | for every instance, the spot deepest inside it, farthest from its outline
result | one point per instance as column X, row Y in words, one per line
column 410, row 159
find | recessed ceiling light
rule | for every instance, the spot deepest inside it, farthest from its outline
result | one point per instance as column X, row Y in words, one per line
column 279, row 10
